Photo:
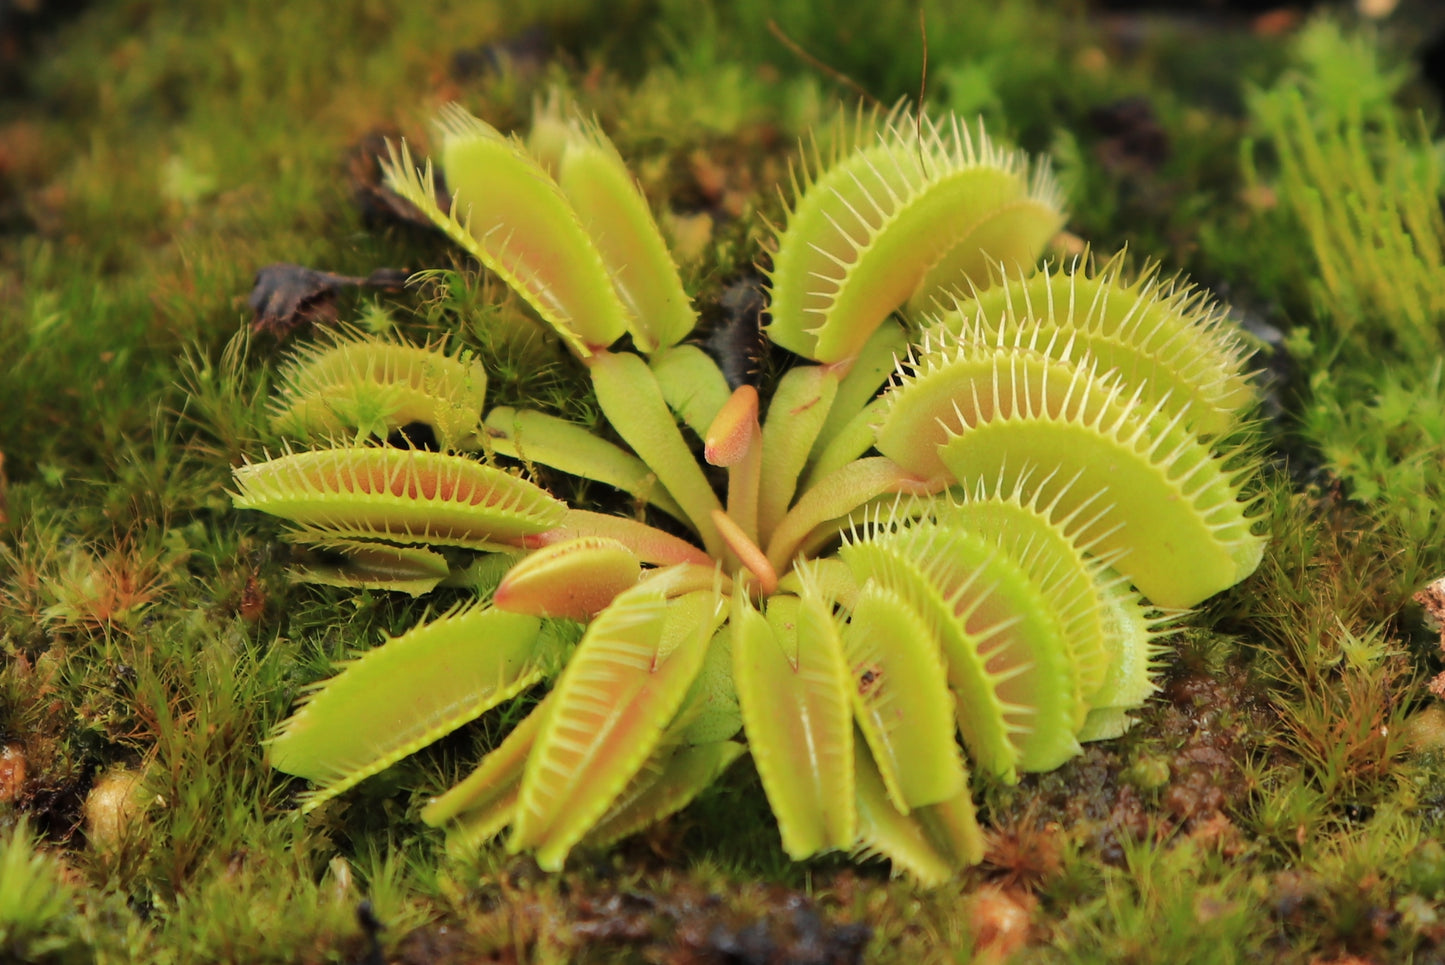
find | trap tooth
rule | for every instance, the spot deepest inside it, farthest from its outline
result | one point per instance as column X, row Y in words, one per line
column 1012, row 674
column 1176, row 514
column 864, row 235
column 402, row 495
column 355, row 383
column 1163, row 336
column 1056, row 563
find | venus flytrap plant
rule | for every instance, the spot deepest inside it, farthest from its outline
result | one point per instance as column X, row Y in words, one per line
column 962, row 555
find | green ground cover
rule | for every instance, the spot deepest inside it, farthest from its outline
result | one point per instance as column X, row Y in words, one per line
column 1282, row 799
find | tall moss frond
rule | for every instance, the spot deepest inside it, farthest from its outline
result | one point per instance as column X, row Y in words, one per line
column 1366, row 194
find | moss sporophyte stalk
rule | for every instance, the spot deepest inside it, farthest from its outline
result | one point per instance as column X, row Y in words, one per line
column 972, row 508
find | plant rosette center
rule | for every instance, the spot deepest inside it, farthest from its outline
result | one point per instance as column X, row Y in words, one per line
column 955, row 538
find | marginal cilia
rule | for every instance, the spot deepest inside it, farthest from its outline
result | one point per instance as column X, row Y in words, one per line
column 973, row 508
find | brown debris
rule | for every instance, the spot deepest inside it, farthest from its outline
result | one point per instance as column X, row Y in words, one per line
column 24, row 165
column 287, row 296
column 665, row 919
column 1135, row 143
column 792, row 930
column 252, row 606
column 436, row 945
column 524, row 54
column 12, row 772
column 1276, row 22
column 722, row 179
column 1023, row 854
column 378, row 203
column 1432, row 598
column 1219, row 834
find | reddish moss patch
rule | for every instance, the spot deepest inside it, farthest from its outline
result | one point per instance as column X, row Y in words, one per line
column 1187, row 780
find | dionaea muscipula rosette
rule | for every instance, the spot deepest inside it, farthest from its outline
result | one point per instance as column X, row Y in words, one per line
column 990, row 546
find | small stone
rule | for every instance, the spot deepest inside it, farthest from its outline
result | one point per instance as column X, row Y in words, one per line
column 1000, row 923
column 1425, row 730
column 112, row 804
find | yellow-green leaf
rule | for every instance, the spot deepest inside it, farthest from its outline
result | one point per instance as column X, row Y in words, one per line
column 409, row 692
column 400, row 495
column 575, row 579
column 509, row 213
column 901, row 699
column 792, row 684
column 615, row 215
column 621, row 688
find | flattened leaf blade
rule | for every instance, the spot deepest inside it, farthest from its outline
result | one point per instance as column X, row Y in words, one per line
column 651, row 545
column 576, row 450
column 792, row 685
